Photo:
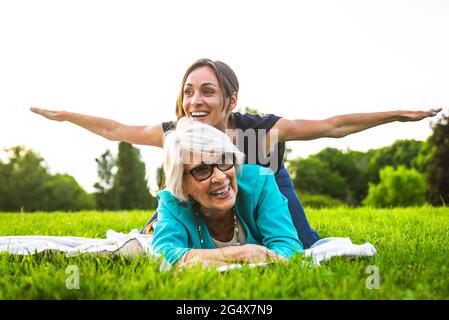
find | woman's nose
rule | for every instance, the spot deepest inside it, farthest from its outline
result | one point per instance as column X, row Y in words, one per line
column 196, row 99
column 217, row 175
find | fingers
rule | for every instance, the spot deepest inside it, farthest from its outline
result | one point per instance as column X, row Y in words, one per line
column 35, row 110
column 435, row 111
column 38, row 110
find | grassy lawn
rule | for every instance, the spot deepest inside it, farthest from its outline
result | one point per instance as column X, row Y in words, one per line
column 412, row 246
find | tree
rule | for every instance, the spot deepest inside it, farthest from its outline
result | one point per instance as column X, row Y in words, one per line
column 424, row 159
column 438, row 178
column 397, row 187
column 160, row 177
column 351, row 166
column 314, row 176
column 130, row 182
column 250, row 110
column 401, row 152
column 21, row 180
column 26, row 185
column 106, row 196
column 62, row 192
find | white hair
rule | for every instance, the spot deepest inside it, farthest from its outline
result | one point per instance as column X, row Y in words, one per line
column 186, row 144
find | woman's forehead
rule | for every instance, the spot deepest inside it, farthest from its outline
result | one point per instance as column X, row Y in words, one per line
column 211, row 157
column 202, row 157
column 202, row 75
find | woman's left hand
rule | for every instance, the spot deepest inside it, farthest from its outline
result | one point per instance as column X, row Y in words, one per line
column 419, row 115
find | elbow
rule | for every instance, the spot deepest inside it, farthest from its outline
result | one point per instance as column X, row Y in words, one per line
column 335, row 128
column 112, row 133
column 338, row 129
column 111, row 138
column 338, row 133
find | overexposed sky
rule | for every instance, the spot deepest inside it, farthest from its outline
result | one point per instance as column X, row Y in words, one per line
column 125, row 60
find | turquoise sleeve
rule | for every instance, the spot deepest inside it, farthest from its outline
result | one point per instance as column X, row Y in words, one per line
column 274, row 221
column 170, row 238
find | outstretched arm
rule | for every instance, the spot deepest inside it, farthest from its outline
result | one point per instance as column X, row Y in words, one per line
column 107, row 128
column 343, row 125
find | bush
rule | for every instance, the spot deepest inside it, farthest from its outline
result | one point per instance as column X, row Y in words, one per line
column 319, row 201
column 399, row 187
column 314, row 176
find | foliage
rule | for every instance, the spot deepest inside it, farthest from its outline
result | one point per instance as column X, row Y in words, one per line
column 397, row 187
column 319, row 201
column 314, row 176
column 250, row 110
column 106, row 196
column 346, row 175
column 438, row 178
column 351, row 166
column 160, row 177
column 26, row 184
column 62, row 192
column 130, row 180
column 423, row 161
column 401, row 152
column 122, row 183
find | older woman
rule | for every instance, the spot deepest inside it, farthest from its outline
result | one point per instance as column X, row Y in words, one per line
column 216, row 210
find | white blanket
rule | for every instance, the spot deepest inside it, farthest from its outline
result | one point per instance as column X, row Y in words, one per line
column 72, row 246
column 322, row 250
column 326, row 248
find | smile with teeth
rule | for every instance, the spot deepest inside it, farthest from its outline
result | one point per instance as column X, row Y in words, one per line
column 221, row 192
column 198, row 114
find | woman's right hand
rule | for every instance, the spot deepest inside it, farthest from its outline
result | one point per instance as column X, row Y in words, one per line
column 107, row 128
column 253, row 253
column 49, row 114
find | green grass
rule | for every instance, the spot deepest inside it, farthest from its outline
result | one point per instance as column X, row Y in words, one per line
column 412, row 246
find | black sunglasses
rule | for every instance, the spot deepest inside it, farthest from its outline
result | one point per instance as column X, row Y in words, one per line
column 204, row 171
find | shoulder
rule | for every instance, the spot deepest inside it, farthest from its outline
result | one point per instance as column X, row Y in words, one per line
column 252, row 177
column 254, row 171
column 245, row 121
column 168, row 204
column 166, row 126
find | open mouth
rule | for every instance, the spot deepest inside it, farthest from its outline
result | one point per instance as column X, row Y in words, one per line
column 222, row 193
column 199, row 114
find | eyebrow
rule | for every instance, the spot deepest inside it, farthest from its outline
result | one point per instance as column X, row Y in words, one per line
column 204, row 84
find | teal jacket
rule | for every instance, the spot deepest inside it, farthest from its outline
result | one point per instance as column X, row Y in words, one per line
column 260, row 206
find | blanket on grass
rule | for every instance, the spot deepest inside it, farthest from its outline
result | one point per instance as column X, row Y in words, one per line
column 137, row 244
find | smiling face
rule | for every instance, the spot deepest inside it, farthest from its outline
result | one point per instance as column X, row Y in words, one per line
column 214, row 194
column 203, row 98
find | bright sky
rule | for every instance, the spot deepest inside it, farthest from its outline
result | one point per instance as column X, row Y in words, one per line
column 125, row 60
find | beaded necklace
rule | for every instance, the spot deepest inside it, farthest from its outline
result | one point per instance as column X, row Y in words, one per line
column 200, row 231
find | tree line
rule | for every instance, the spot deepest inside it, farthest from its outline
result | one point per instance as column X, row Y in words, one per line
column 409, row 172
column 27, row 185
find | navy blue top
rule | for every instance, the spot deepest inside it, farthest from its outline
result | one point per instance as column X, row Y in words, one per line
column 251, row 143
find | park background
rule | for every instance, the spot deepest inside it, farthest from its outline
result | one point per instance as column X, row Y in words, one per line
column 297, row 59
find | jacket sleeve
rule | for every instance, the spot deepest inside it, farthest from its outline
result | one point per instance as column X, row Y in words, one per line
column 170, row 237
column 274, row 221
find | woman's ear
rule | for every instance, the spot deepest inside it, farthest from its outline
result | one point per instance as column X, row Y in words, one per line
column 233, row 101
column 184, row 192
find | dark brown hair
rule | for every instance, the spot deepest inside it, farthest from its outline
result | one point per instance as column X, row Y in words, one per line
column 226, row 78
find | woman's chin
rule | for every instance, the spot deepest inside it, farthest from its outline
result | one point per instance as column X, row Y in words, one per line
column 204, row 120
column 224, row 201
